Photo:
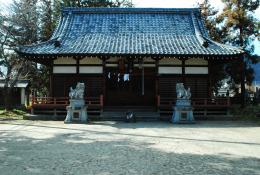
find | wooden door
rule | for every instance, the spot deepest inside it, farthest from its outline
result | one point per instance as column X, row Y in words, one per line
column 123, row 92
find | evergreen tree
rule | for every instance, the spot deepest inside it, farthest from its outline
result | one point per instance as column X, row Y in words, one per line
column 242, row 29
column 234, row 26
column 106, row 3
column 209, row 14
column 239, row 22
column 19, row 27
column 47, row 22
column 23, row 22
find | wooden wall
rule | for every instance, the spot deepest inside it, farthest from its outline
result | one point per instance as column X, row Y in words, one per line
column 62, row 83
column 197, row 83
column 169, row 72
column 192, row 72
column 167, row 85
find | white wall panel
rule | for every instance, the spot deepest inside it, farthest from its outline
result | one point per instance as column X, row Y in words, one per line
column 64, row 69
column 196, row 70
column 91, row 69
column 170, row 70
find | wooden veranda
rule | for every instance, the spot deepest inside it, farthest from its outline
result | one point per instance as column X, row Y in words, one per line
column 203, row 107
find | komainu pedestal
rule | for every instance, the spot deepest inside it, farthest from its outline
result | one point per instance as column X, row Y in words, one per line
column 77, row 110
column 182, row 111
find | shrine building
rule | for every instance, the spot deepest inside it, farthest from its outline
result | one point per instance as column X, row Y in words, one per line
column 132, row 56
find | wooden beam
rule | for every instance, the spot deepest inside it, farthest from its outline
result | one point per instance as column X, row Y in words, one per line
column 183, row 71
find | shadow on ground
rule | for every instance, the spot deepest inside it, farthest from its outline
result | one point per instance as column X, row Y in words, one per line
column 94, row 152
column 144, row 125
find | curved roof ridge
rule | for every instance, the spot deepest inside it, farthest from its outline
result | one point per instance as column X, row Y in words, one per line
column 198, row 31
column 38, row 44
column 58, row 27
column 202, row 26
column 226, row 46
column 126, row 9
column 65, row 26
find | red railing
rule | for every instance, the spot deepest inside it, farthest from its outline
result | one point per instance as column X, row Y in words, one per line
column 196, row 102
column 64, row 101
column 50, row 101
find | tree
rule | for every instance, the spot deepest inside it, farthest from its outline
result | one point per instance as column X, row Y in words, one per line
column 209, row 14
column 242, row 29
column 106, row 3
column 19, row 27
column 235, row 26
column 47, row 22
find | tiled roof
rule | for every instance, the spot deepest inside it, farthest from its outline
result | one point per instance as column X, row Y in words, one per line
column 130, row 31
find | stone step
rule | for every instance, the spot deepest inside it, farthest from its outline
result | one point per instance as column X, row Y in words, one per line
column 140, row 116
column 129, row 108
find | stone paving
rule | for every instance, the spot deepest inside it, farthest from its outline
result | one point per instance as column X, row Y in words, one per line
column 152, row 148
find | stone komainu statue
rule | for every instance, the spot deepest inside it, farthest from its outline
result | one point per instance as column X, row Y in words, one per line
column 182, row 93
column 78, row 92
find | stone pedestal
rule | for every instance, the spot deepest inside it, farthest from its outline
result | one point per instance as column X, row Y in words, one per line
column 183, row 112
column 76, row 111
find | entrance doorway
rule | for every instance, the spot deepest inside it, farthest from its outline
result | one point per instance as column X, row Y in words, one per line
column 134, row 89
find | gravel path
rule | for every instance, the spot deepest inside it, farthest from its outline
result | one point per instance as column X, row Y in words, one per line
column 51, row 147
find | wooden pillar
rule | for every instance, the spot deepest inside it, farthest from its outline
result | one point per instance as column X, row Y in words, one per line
column 209, row 80
column 51, row 80
column 157, row 95
column 104, row 78
column 77, row 59
column 183, row 71
column 157, row 77
column 23, row 96
column 243, row 89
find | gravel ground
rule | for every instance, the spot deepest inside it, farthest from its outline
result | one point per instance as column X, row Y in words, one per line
column 51, row 147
